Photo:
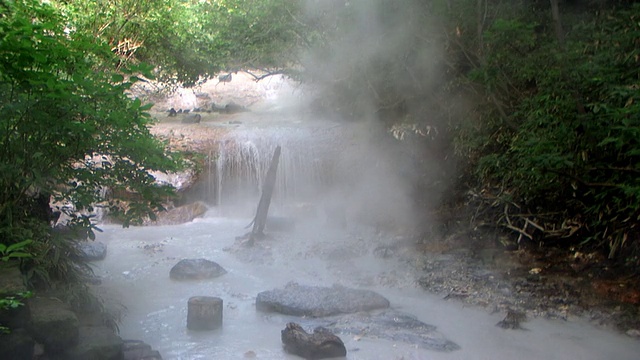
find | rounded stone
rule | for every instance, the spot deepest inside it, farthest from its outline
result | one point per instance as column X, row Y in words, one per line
column 196, row 269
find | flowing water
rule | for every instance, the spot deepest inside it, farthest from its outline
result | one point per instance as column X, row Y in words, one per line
column 136, row 279
column 136, row 274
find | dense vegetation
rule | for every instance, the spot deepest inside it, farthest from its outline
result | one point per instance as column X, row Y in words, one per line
column 537, row 100
column 68, row 132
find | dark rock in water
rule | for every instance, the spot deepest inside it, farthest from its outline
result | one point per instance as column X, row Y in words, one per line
column 322, row 344
column 391, row 325
column 172, row 112
column 300, row 300
column 232, row 108
column 17, row 344
column 96, row 343
column 91, row 250
column 192, row 119
column 139, row 350
column 513, row 320
column 196, row 269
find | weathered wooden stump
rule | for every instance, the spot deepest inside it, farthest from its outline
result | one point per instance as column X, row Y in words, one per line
column 322, row 344
column 204, row 313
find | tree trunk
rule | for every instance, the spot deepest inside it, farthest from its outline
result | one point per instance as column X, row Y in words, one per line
column 260, row 220
column 557, row 24
column 204, row 313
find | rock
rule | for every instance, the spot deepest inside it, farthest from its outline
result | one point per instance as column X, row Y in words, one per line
column 96, row 343
column 11, row 281
column 172, row 112
column 91, row 250
column 17, row 344
column 232, row 108
column 512, row 320
column 139, row 350
column 196, row 269
column 391, row 325
column 53, row 324
column 204, row 313
column 191, row 118
column 300, row 300
column 322, row 344
column 182, row 214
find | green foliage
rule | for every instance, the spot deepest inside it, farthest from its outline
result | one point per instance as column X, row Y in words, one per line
column 14, row 251
column 568, row 139
column 67, row 132
column 190, row 41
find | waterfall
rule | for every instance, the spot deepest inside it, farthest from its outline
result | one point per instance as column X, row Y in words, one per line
column 237, row 166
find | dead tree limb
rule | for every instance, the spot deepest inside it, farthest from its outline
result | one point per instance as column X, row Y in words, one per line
column 260, row 220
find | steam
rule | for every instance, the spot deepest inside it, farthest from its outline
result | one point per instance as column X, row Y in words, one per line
column 380, row 66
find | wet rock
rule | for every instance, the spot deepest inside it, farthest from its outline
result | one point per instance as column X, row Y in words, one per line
column 204, row 313
column 96, row 343
column 53, row 324
column 391, row 325
column 322, row 344
column 191, row 118
column 172, row 112
column 513, row 320
column 91, row 250
column 232, row 108
column 196, row 269
column 300, row 300
column 139, row 350
column 17, row 344
column 182, row 214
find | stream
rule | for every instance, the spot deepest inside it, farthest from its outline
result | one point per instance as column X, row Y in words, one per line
column 153, row 308
column 136, row 275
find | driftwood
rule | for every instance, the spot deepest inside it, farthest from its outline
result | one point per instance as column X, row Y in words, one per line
column 260, row 220
column 322, row 344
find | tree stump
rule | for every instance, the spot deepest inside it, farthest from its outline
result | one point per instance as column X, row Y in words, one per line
column 204, row 313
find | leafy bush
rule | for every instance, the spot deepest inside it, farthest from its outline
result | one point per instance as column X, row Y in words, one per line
column 67, row 132
column 568, row 142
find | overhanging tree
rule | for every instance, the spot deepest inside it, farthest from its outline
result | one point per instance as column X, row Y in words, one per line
column 67, row 132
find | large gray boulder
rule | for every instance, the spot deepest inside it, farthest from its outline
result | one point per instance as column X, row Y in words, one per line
column 53, row 324
column 92, row 250
column 96, row 343
column 301, row 300
column 196, row 269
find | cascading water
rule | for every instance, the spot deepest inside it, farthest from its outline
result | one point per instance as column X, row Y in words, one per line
column 236, row 168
